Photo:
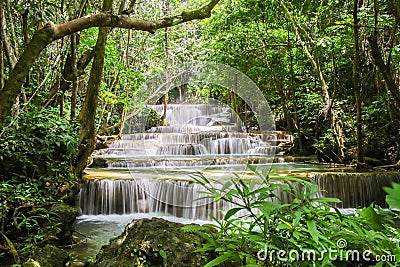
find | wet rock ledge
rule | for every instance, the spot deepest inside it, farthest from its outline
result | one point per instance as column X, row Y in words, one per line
column 151, row 242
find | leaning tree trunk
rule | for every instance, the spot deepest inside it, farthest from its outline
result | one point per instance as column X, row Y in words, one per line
column 63, row 83
column 87, row 115
column 74, row 89
column 327, row 114
column 378, row 59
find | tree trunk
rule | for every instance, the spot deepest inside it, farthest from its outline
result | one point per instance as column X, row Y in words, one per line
column 166, row 51
column 8, row 51
column 357, row 93
column 1, row 45
column 12, row 40
column 327, row 114
column 87, row 115
column 384, row 69
column 74, row 89
column 25, row 29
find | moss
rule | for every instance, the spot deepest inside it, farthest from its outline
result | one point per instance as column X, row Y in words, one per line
column 65, row 216
column 154, row 242
column 48, row 256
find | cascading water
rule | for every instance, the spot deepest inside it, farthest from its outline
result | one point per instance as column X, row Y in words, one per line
column 180, row 198
column 149, row 173
column 356, row 190
column 206, row 138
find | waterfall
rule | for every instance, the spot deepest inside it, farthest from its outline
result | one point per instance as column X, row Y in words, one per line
column 177, row 198
column 182, row 149
column 356, row 189
column 150, row 172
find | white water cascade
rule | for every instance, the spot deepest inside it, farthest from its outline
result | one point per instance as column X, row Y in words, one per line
column 150, row 172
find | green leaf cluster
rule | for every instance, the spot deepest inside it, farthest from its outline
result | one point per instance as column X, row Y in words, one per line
column 288, row 216
column 36, row 158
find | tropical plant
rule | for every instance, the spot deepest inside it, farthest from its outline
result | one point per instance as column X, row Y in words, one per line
column 264, row 229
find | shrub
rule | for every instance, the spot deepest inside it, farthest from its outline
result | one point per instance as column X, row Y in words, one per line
column 36, row 154
column 263, row 230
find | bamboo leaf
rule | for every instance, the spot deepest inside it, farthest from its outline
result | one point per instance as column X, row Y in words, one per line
column 224, row 257
column 231, row 212
column 312, row 229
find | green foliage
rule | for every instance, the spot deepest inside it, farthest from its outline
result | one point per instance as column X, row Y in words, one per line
column 37, row 10
column 393, row 196
column 38, row 145
column 266, row 230
column 35, row 169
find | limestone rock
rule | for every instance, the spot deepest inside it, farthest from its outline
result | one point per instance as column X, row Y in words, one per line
column 99, row 163
column 151, row 242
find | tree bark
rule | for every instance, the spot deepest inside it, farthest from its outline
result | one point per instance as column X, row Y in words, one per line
column 67, row 75
column 8, row 51
column 11, row 39
column 87, row 115
column 1, row 45
column 51, row 32
column 25, row 29
column 74, row 88
column 165, row 102
column 357, row 93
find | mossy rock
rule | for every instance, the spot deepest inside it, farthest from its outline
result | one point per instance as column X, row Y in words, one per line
column 152, row 242
column 48, row 256
column 64, row 218
column 99, row 163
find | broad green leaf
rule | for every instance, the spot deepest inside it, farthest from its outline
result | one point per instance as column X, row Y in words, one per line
column 393, row 196
column 312, row 229
column 163, row 254
column 371, row 218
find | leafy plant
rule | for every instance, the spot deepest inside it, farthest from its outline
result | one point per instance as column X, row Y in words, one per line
column 393, row 196
column 265, row 229
column 39, row 144
column 35, row 169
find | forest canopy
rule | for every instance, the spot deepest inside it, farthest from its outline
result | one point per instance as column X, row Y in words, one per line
column 329, row 69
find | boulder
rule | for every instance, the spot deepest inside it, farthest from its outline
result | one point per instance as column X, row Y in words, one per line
column 99, row 163
column 47, row 256
column 65, row 218
column 151, row 242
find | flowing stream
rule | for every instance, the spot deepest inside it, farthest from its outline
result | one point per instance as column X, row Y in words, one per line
column 151, row 173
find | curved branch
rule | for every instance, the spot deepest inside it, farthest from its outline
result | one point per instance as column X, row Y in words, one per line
column 51, row 32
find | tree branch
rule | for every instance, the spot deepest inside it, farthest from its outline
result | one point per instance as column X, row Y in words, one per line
column 52, row 32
